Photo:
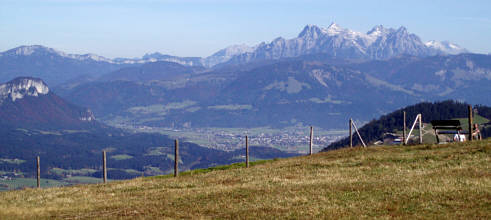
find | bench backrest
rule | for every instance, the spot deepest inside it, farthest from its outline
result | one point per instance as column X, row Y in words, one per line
column 446, row 124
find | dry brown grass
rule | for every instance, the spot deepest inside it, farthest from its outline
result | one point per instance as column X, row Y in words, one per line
column 428, row 181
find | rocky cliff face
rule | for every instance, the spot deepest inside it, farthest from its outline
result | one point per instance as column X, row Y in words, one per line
column 27, row 102
column 20, row 87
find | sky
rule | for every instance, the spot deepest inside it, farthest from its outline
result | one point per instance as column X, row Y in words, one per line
column 131, row 28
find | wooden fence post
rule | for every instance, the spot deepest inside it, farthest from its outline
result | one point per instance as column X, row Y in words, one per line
column 247, row 151
column 471, row 129
column 38, row 172
column 359, row 135
column 416, row 120
column 311, row 139
column 176, row 158
column 404, row 130
column 420, row 129
column 104, row 166
column 350, row 133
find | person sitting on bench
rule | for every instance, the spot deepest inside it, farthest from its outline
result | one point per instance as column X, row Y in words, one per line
column 476, row 134
column 459, row 137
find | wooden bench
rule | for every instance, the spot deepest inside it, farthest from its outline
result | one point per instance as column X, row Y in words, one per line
column 446, row 125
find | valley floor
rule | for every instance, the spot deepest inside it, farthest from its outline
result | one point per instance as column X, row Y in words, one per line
column 291, row 139
column 425, row 181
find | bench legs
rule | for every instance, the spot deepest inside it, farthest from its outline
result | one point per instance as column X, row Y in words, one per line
column 436, row 135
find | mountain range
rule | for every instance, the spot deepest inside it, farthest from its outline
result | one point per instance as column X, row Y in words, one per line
column 57, row 67
column 378, row 43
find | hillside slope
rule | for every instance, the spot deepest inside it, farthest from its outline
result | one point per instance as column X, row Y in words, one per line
column 427, row 181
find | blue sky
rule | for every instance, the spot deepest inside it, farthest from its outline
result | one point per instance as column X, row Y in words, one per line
column 131, row 28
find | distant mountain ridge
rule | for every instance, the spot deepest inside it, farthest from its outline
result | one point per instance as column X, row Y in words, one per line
column 42, row 50
column 52, row 66
column 378, row 43
column 152, row 71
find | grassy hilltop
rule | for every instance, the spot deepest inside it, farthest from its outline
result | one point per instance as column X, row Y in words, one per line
column 424, row 181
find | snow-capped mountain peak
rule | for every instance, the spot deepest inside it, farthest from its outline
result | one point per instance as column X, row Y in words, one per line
column 379, row 30
column 446, row 47
column 27, row 50
column 90, row 56
column 42, row 50
column 312, row 31
column 31, row 49
column 237, row 49
column 226, row 54
column 335, row 29
column 402, row 29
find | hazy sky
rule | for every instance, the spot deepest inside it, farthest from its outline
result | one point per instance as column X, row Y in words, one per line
column 131, row 28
